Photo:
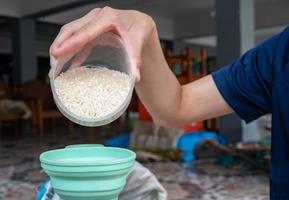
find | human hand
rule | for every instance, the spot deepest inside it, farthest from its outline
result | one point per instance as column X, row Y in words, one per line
column 134, row 28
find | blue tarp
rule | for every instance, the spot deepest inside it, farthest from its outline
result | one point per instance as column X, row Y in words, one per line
column 188, row 142
column 121, row 141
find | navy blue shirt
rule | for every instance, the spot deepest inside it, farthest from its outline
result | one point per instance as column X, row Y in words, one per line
column 257, row 84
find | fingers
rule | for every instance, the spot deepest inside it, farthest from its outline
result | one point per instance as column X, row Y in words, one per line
column 57, row 64
column 104, row 22
column 81, row 57
column 66, row 32
column 76, row 35
column 69, row 29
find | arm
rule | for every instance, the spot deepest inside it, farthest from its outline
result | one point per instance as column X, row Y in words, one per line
column 169, row 103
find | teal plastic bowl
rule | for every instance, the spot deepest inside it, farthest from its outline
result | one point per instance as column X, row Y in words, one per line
column 83, row 145
column 88, row 173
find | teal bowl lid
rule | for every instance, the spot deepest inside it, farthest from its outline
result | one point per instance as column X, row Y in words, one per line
column 87, row 156
column 83, row 145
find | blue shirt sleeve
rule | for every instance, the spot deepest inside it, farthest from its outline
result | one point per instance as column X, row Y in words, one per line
column 246, row 84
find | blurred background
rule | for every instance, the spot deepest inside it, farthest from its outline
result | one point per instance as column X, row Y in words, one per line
column 214, row 159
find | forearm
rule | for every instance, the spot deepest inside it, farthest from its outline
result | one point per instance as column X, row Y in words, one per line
column 168, row 102
column 202, row 100
column 158, row 89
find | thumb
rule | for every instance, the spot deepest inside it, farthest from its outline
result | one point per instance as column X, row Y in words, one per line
column 135, row 57
column 136, row 62
column 133, row 45
column 53, row 64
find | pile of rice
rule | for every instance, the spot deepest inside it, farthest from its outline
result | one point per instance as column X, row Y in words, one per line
column 92, row 92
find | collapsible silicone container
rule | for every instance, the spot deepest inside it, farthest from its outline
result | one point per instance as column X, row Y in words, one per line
column 88, row 173
column 83, row 145
column 107, row 50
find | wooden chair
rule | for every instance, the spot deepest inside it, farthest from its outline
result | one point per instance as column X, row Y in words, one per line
column 43, row 104
column 6, row 91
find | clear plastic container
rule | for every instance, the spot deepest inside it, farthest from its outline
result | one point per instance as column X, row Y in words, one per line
column 107, row 50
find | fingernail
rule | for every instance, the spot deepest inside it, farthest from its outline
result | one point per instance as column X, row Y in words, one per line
column 50, row 74
column 137, row 76
column 53, row 65
column 53, row 61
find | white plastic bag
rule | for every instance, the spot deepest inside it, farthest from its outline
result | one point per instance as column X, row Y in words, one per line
column 142, row 185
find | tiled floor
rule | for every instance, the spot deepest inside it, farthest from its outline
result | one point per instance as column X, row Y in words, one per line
column 20, row 171
column 189, row 182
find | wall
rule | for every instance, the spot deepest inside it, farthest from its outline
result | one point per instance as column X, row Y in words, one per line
column 165, row 28
column 42, row 46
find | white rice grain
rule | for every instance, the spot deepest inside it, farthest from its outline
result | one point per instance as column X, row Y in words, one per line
column 92, row 92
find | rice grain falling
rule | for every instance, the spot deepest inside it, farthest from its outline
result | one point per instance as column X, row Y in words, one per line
column 92, row 92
